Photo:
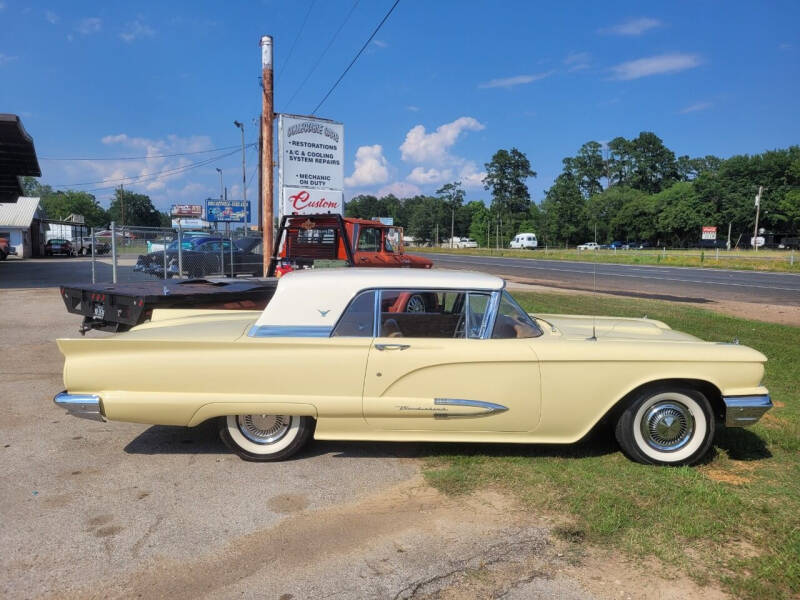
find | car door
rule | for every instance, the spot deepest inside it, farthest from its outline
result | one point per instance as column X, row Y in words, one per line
column 438, row 371
column 368, row 248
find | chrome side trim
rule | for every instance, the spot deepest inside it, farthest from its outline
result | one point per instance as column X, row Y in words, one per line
column 259, row 331
column 743, row 411
column 485, row 408
column 84, row 406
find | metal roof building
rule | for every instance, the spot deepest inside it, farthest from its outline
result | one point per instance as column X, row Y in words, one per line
column 21, row 224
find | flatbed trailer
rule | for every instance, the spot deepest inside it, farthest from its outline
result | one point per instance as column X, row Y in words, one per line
column 120, row 306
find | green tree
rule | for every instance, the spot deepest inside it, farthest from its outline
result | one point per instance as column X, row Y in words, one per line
column 452, row 197
column 132, row 209
column 59, row 205
column 588, row 167
column 563, row 211
column 682, row 214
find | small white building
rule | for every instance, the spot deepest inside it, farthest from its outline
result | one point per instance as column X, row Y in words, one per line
column 21, row 224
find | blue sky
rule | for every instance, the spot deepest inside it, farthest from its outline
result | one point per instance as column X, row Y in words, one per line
column 442, row 87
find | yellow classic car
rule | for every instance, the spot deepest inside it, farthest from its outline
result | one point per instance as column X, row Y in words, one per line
column 415, row 355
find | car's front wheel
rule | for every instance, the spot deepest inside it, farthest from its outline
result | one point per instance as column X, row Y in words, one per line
column 265, row 437
column 666, row 426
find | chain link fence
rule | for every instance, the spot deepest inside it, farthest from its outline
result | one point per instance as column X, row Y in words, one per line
column 129, row 254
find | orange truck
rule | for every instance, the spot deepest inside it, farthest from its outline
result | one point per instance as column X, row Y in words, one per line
column 307, row 241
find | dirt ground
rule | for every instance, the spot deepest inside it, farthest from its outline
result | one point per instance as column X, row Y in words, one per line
column 117, row 510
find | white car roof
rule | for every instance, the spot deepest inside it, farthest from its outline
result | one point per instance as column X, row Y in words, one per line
column 317, row 297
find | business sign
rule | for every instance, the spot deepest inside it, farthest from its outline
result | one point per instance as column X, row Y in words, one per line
column 189, row 223
column 300, row 201
column 311, row 154
column 228, row 211
column 187, row 210
column 709, row 233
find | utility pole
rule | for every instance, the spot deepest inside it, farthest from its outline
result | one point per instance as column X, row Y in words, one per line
column 758, row 209
column 221, row 186
column 244, row 166
column 266, row 147
column 122, row 201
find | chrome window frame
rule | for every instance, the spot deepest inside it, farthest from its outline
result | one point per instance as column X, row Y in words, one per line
column 504, row 294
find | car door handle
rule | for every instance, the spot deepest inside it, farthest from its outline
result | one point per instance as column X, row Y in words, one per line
column 391, row 346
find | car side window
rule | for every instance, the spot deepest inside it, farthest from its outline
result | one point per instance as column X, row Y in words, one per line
column 358, row 318
column 513, row 322
column 478, row 308
column 369, row 240
column 422, row 314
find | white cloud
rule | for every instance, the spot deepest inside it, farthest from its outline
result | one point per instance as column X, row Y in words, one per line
column 136, row 30
column 380, row 43
column 424, row 176
column 412, row 108
column 5, row 59
column 154, row 175
column 51, row 17
column 696, row 107
column 421, row 147
column 509, row 82
column 577, row 61
column 633, row 26
column 655, row 65
column 470, row 177
column 2, row 5
column 370, row 168
column 89, row 25
column 400, row 189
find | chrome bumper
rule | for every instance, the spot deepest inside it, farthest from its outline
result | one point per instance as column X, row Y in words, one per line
column 85, row 406
column 743, row 411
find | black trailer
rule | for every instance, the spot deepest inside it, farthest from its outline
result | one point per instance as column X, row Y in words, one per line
column 118, row 307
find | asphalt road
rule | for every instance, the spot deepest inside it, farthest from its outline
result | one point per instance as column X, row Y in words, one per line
column 670, row 283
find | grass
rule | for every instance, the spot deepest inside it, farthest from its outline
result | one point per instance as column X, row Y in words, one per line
column 746, row 260
column 735, row 519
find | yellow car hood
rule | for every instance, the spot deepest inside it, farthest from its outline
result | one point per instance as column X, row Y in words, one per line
column 614, row 328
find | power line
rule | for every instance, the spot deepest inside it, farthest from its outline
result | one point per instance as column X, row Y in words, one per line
column 297, row 37
column 141, row 178
column 324, row 52
column 352, row 62
column 142, row 157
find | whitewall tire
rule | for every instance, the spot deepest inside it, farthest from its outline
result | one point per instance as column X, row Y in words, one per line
column 669, row 425
column 265, row 437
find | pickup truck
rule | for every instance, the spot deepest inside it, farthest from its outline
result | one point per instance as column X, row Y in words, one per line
column 303, row 242
column 589, row 246
column 306, row 241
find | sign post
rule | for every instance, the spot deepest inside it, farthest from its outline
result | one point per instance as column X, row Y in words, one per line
column 311, row 168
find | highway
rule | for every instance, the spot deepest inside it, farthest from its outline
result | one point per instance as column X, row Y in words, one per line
column 670, row 283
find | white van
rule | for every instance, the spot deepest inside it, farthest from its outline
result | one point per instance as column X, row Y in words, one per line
column 525, row 240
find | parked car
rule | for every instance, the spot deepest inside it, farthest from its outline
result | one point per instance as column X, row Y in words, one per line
column 527, row 241
column 6, row 249
column 464, row 243
column 201, row 256
column 589, row 246
column 617, row 245
column 102, row 247
column 337, row 354
column 58, row 246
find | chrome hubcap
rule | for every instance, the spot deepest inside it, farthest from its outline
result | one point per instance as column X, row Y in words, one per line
column 263, row 429
column 667, row 426
column 415, row 304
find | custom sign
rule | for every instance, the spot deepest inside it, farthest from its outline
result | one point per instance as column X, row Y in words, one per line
column 187, row 210
column 709, row 233
column 228, row 211
column 300, row 201
column 311, row 164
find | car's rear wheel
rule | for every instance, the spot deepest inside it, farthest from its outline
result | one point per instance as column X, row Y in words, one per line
column 666, row 425
column 265, row 437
